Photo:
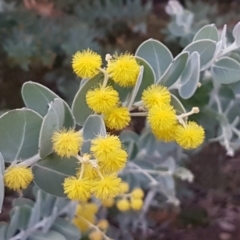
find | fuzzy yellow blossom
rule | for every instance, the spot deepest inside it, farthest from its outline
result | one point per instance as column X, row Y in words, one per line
column 117, row 118
column 161, row 117
column 108, row 202
column 137, row 193
column 156, row 95
column 124, row 187
column 86, row 64
column 114, row 162
column 18, row 177
column 124, row 70
column 166, row 135
column 102, row 99
column 95, row 235
column 103, row 224
column 77, row 189
column 107, row 187
column 136, row 204
column 89, row 172
column 190, row 136
column 102, row 147
column 123, row 205
column 67, row 142
column 85, row 211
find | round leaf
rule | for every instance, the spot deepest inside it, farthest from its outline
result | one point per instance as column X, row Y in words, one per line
column 175, row 102
column 205, row 48
column 156, row 54
column 53, row 121
column 226, row 70
column 19, row 131
column 49, row 174
column 207, row 32
column 188, row 89
column 38, row 97
column 80, row 109
column 174, row 70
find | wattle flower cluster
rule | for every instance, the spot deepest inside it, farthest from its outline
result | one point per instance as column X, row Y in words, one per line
column 97, row 175
column 104, row 99
column 164, row 122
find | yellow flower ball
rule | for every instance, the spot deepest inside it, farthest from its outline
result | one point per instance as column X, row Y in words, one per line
column 89, row 173
column 67, row 143
column 124, row 70
column 156, row 95
column 124, row 187
column 161, row 117
column 137, row 193
column 102, row 100
column 114, row 161
column 190, row 136
column 136, row 204
column 123, row 205
column 117, row 118
column 108, row 202
column 102, row 147
column 18, row 177
column 85, row 211
column 166, row 135
column 86, row 64
column 103, row 224
column 107, row 187
column 95, row 235
column 77, row 189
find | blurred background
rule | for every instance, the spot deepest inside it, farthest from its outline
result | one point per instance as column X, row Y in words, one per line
column 38, row 39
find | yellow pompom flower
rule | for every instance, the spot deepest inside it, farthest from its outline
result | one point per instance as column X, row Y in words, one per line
column 190, row 136
column 124, row 70
column 166, row 135
column 108, row 202
column 107, row 187
column 102, row 147
column 117, row 118
column 102, row 100
column 89, row 172
column 137, row 193
column 161, row 117
column 77, row 189
column 85, row 211
column 123, row 205
column 114, row 161
column 124, row 187
column 103, row 224
column 136, row 204
column 18, row 177
column 67, row 143
column 86, row 64
column 156, row 95
column 95, row 235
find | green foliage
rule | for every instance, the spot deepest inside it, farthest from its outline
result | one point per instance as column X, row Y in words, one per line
column 46, row 218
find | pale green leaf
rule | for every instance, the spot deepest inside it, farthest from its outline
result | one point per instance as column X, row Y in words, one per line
column 207, row 32
column 38, row 98
column 19, row 131
column 49, row 173
column 188, row 88
column 174, row 70
column 226, row 70
column 205, row 48
column 66, row 228
column 50, row 235
column 156, row 54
